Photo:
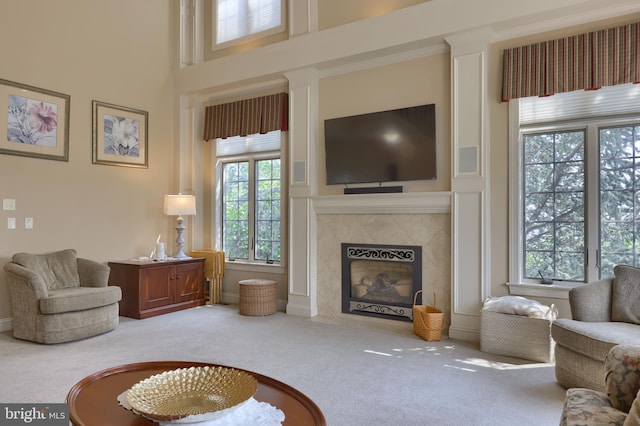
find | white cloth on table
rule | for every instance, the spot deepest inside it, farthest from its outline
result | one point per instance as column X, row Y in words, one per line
column 249, row 413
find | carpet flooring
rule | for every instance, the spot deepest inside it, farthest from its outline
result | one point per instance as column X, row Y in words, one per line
column 356, row 374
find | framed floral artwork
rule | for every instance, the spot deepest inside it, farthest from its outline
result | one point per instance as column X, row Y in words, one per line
column 34, row 122
column 120, row 136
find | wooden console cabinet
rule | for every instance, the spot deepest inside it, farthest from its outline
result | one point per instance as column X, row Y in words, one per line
column 156, row 288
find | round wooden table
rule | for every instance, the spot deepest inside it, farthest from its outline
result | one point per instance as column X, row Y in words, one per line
column 92, row 401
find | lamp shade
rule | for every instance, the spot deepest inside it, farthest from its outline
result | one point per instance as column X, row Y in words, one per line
column 179, row 205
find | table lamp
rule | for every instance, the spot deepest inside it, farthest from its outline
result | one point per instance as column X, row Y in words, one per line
column 179, row 205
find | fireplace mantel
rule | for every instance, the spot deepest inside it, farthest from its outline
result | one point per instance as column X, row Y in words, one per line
column 398, row 203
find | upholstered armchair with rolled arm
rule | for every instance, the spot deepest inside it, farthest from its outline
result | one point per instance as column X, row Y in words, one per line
column 58, row 297
column 604, row 314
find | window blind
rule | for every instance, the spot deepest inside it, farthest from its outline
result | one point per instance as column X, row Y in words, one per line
column 239, row 18
column 238, row 145
column 582, row 104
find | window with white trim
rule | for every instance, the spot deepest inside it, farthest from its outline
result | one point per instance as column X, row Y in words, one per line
column 249, row 171
column 575, row 184
column 236, row 21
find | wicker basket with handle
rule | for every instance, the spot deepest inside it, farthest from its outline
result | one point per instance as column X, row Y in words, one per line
column 427, row 320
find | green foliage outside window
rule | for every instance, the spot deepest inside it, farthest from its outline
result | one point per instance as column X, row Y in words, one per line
column 554, row 205
column 555, row 202
column 268, row 210
column 265, row 216
column 236, row 210
column 619, row 197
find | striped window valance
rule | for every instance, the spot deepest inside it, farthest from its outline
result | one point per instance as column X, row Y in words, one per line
column 247, row 117
column 583, row 62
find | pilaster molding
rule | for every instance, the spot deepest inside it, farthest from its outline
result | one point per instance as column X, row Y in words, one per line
column 303, row 113
column 189, row 167
column 303, row 110
column 469, row 181
column 302, row 77
column 191, row 32
column 303, row 17
column 470, row 41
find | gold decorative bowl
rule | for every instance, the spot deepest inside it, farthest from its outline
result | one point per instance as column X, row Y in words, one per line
column 195, row 391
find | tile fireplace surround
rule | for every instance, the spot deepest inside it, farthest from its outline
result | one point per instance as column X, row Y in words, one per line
column 415, row 219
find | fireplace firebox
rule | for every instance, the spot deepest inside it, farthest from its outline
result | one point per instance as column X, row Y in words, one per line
column 380, row 280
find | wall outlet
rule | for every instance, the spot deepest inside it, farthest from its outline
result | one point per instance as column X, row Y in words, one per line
column 8, row 204
column 11, row 223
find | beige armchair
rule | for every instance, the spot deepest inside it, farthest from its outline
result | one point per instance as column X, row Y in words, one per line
column 57, row 297
column 619, row 404
column 604, row 314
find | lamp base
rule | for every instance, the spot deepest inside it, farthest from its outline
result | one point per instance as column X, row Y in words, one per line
column 181, row 256
column 180, row 240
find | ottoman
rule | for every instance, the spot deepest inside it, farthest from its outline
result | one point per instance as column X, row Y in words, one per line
column 258, row 297
column 517, row 327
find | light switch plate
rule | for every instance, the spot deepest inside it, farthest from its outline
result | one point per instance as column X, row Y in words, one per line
column 8, row 204
column 28, row 223
column 11, row 223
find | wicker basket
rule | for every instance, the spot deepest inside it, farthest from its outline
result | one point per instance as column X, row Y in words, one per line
column 428, row 321
column 258, row 297
column 516, row 336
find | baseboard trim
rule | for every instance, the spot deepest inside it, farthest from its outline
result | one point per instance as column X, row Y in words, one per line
column 467, row 335
column 301, row 310
column 231, row 298
column 6, row 324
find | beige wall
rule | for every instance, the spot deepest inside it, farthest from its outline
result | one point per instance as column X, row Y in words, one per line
column 117, row 52
column 332, row 13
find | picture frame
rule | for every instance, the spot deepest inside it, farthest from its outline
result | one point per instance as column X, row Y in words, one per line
column 35, row 121
column 120, row 135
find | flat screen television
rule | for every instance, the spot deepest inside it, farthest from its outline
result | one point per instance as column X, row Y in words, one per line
column 386, row 146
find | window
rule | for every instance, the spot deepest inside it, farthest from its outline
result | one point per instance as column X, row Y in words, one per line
column 554, row 205
column 576, row 204
column 238, row 20
column 251, row 197
column 619, row 196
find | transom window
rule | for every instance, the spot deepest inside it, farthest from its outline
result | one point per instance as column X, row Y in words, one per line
column 238, row 20
column 576, row 208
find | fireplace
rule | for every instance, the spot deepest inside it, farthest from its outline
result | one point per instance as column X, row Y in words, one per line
column 380, row 280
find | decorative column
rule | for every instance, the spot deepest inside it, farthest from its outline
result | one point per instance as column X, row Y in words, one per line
column 303, row 17
column 187, row 153
column 303, row 113
column 191, row 32
column 470, row 216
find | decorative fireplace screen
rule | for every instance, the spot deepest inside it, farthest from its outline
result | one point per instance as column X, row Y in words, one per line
column 380, row 280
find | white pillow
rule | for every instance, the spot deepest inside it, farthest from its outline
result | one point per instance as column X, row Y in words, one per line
column 517, row 305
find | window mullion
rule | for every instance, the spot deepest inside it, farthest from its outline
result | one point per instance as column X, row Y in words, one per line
column 592, row 164
column 252, row 209
column 516, row 190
